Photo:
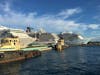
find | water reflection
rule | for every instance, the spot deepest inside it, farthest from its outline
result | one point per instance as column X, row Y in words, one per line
column 81, row 54
column 10, row 69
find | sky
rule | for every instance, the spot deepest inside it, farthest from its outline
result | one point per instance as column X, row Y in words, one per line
column 77, row 16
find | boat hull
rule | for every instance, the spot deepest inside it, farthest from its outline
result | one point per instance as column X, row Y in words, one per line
column 12, row 56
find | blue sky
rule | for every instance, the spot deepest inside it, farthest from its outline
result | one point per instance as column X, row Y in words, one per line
column 78, row 16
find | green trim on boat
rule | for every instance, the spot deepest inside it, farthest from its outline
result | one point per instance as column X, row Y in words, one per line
column 35, row 48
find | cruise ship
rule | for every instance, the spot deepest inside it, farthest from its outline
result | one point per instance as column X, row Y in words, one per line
column 72, row 38
column 42, row 36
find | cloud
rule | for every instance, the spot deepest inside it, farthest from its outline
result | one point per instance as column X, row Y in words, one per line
column 52, row 23
column 94, row 26
column 69, row 12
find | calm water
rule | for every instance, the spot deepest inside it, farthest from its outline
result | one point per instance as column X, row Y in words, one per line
column 71, row 61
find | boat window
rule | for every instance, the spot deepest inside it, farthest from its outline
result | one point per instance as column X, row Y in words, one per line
column 14, row 43
column 6, row 41
column 14, row 40
column 10, row 40
column 2, row 41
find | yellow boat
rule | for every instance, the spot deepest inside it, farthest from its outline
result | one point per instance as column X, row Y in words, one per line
column 10, row 50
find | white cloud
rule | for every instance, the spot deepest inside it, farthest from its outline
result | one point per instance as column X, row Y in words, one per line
column 69, row 12
column 51, row 23
column 94, row 26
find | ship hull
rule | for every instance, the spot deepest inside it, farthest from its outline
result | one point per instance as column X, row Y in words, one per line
column 13, row 56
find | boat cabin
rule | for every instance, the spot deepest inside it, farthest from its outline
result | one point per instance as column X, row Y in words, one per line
column 10, row 43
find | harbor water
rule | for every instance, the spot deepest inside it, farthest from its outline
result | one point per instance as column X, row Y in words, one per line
column 71, row 61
